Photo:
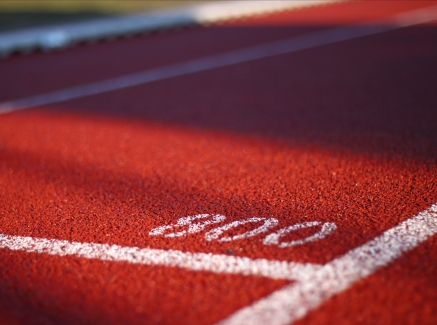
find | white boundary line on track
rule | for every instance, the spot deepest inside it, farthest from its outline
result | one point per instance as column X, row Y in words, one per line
column 67, row 34
column 297, row 300
column 290, row 45
column 315, row 283
column 193, row 261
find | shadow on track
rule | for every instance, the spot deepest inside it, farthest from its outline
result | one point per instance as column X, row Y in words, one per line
column 374, row 95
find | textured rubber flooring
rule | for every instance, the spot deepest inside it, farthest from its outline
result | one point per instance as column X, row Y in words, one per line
column 343, row 133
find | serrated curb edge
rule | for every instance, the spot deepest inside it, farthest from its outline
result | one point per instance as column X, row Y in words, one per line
column 67, row 35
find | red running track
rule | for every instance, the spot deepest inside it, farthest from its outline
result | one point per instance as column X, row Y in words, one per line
column 342, row 133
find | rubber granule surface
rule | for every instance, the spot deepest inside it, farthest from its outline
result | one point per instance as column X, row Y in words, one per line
column 343, row 134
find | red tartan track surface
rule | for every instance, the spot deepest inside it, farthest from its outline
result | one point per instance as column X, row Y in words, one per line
column 294, row 187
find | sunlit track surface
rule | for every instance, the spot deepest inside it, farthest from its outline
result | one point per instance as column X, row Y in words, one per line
column 270, row 170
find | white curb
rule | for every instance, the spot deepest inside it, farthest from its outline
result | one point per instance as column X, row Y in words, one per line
column 64, row 35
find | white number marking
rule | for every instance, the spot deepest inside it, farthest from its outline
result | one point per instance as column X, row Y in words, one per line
column 327, row 229
column 188, row 221
column 215, row 233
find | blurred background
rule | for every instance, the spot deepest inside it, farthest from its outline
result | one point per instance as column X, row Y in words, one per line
column 15, row 15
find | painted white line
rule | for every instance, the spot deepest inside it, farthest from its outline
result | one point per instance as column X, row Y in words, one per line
column 193, row 261
column 64, row 35
column 296, row 300
column 294, row 44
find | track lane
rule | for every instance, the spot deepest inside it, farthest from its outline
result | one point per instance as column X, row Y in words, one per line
column 231, row 58
column 40, row 73
column 72, row 169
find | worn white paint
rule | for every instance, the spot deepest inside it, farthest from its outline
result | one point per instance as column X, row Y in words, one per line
column 324, row 37
column 297, row 300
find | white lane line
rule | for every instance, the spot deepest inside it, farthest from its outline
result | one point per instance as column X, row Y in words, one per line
column 296, row 300
column 290, row 45
column 148, row 256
